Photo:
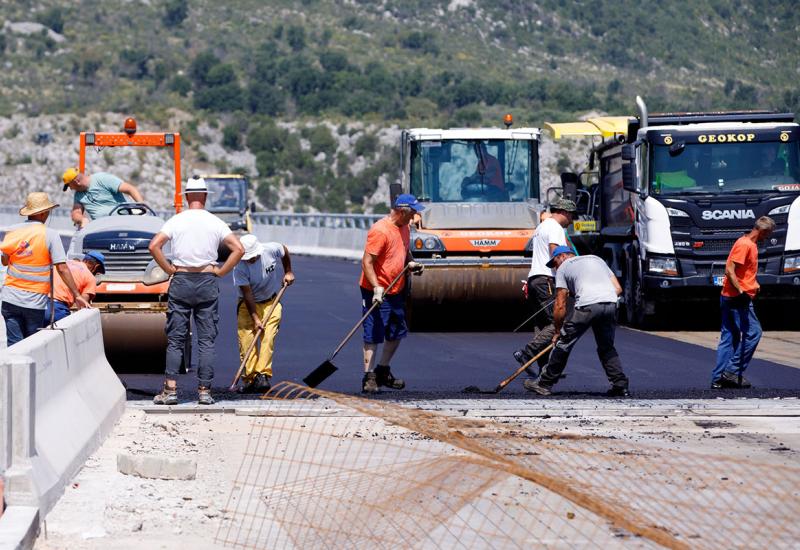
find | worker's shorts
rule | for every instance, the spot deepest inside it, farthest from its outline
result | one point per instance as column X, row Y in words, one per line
column 387, row 321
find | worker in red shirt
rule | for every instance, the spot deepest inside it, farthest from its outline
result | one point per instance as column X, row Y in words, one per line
column 741, row 330
column 386, row 254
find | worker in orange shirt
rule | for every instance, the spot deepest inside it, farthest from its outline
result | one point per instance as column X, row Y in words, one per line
column 30, row 249
column 386, row 254
column 741, row 330
column 83, row 272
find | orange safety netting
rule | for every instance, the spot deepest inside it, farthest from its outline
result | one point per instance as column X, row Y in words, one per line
column 325, row 470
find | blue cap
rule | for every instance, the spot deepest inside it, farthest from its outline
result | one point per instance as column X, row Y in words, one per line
column 97, row 257
column 407, row 199
column 557, row 251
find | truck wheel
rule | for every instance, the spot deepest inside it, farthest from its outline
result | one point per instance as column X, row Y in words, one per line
column 636, row 304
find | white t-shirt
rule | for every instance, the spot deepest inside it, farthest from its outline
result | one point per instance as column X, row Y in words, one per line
column 196, row 235
column 548, row 232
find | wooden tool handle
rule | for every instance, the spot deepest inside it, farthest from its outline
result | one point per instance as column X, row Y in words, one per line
column 519, row 371
column 364, row 318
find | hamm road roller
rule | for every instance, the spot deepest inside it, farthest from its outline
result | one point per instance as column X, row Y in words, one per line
column 481, row 193
column 132, row 293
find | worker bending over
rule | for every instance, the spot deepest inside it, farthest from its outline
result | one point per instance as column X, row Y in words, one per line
column 96, row 194
column 596, row 290
column 83, row 273
column 386, row 255
column 196, row 235
column 259, row 276
column 29, row 249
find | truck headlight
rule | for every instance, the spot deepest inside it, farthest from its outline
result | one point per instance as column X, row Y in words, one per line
column 780, row 210
column 154, row 274
column 791, row 265
column 675, row 213
column 663, row 266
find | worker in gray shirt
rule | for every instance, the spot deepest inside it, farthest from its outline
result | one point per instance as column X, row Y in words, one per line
column 595, row 289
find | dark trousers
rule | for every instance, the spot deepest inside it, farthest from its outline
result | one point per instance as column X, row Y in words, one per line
column 192, row 294
column 541, row 291
column 602, row 320
column 21, row 322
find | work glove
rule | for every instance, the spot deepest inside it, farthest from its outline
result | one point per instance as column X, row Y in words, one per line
column 377, row 294
column 416, row 268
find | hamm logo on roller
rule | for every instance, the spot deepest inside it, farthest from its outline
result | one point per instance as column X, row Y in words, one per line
column 483, row 243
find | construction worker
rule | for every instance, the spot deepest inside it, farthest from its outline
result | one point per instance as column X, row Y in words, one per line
column 741, row 330
column 386, row 254
column 596, row 290
column 196, row 236
column 29, row 249
column 259, row 276
column 96, row 195
column 83, row 273
column 541, row 278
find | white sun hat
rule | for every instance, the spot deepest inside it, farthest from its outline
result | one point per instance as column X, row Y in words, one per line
column 252, row 247
column 196, row 184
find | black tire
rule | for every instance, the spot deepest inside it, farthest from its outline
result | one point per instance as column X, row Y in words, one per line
column 635, row 300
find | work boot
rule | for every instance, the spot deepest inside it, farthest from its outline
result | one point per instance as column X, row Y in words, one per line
column 204, row 396
column 537, row 387
column 383, row 377
column 730, row 380
column 261, row 383
column 368, row 383
column 168, row 396
column 717, row 384
column 618, row 391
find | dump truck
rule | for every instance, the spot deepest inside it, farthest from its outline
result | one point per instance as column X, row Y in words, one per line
column 480, row 188
column 670, row 193
column 132, row 294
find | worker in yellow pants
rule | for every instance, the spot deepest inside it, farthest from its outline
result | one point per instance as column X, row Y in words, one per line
column 260, row 273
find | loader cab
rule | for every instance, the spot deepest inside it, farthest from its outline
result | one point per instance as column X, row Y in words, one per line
column 228, row 199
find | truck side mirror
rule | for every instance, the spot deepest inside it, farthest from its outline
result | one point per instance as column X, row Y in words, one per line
column 395, row 189
column 629, row 179
column 253, row 207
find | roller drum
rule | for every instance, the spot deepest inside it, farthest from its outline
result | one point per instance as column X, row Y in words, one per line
column 135, row 342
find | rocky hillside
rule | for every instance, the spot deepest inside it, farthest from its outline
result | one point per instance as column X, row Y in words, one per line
column 307, row 96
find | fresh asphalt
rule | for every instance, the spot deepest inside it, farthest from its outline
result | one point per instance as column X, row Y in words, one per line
column 324, row 303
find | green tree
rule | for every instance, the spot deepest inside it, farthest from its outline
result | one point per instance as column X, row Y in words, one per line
column 175, row 12
column 52, row 18
column 296, row 37
column 201, row 65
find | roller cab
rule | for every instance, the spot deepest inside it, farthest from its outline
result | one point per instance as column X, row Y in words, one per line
column 480, row 188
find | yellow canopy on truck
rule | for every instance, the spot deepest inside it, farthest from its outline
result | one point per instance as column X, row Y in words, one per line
column 605, row 127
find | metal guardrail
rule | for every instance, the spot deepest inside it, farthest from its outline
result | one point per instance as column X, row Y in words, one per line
column 324, row 220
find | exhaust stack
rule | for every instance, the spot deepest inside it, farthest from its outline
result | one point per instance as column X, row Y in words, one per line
column 642, row 112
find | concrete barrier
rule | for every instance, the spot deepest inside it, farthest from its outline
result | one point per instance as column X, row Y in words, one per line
column 346, row 243
column 60, row 400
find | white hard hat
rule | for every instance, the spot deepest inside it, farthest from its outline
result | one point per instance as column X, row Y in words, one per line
column 252, row 247
column 196, row 185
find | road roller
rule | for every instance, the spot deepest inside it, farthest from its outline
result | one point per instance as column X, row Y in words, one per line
column 480, row 187
column 132, row 293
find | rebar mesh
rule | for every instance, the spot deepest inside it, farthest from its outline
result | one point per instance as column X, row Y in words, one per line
column 371, row 474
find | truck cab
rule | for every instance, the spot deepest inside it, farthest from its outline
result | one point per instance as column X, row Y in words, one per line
column 676, row 190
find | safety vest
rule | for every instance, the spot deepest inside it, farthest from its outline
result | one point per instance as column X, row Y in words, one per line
column 28, row 258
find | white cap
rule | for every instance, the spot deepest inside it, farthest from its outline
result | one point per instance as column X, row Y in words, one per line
column 252, row 247
column 196, row 185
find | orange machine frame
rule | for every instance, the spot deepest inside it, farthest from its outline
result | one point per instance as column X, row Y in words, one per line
column 130, row 138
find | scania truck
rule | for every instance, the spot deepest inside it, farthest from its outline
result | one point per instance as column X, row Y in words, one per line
column 674, row 191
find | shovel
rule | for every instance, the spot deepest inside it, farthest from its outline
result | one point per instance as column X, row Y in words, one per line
column 319, row 374
column 507, row 381
column 259, row 333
